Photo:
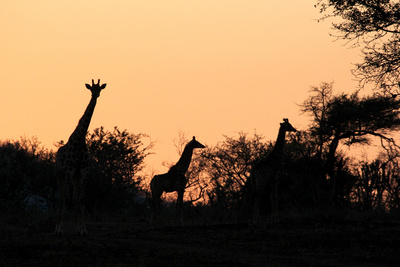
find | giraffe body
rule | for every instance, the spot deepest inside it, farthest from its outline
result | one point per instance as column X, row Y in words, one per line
column 266, row 173
column 174, row 179
column 72, row 166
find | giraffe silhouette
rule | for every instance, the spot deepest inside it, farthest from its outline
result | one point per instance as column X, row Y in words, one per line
column 72, row 163
column 174, row 179
column 266, row 173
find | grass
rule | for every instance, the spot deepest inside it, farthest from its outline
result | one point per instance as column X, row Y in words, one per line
column 209, row 237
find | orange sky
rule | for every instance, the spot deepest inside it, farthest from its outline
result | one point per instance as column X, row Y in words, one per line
column 206, row 68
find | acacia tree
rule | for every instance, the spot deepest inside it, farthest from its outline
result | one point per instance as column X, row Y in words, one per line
column 350, row 119
column 374, row 25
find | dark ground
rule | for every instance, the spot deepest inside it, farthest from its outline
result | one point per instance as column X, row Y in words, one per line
column 346, row 243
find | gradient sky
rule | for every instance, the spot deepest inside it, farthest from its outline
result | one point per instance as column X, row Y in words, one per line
column 206, row 68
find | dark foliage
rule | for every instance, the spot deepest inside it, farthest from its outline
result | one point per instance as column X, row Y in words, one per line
column 26, row 176
column 349, row 119
column 378, row 185
column 118, row 158
column 374, row 25
column 27, row 173
column 219, row 175
column 228, row 166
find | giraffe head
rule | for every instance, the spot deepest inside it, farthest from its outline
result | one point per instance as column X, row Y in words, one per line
column 195, row 144
column 285, row 125
column 95, row 88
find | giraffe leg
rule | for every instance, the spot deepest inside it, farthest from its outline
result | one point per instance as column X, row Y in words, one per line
column 62, row 190
column 179, row 200
column 256, row 210
column 179, row 205
column 75, row 197
column 156, row 204
column 274, row 202
column 79, row 207
column 258, row 186
column 156, row 193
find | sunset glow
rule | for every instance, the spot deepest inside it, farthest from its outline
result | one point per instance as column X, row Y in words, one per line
column 206, row 68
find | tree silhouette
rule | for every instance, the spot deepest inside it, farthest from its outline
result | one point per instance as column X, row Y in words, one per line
column 118, row 157
column 378, row 185
column 26, row 175
column 228, row 166
column 350, row 119
column 374, row 25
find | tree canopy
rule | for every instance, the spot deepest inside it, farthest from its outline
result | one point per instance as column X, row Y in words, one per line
column 228, row 166
column 350, row 119
column 118, row 158
column 374, row 25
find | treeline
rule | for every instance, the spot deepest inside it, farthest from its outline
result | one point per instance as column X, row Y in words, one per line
column 27, row 173
column 316, row 175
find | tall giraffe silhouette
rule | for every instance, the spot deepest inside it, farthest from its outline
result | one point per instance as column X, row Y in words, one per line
column 266, row 173
column 72, row 163
column 174, row 179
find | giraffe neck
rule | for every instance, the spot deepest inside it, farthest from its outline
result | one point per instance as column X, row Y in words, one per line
column 277, row 152
column 83, row 124
column 184, row 162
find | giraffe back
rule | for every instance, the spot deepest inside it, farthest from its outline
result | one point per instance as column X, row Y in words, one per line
column 264, row 172
column 168, row 182
column 72, row 156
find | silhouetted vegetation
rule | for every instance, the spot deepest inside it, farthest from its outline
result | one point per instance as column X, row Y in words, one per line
column 317, row 174
column 326, row 196
column 115, row 181
column 27, row 173
column 228, row 166
column 378, row 185
column 26, row 176
column 349, row 119
column 375, row 27
column 314, row 202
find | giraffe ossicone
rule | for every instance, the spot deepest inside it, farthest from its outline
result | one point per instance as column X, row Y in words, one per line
column 95, row 85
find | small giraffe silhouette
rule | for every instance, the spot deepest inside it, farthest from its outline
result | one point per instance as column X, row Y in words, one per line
column 72, row 162
column 266, row 173
column 174, row 179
